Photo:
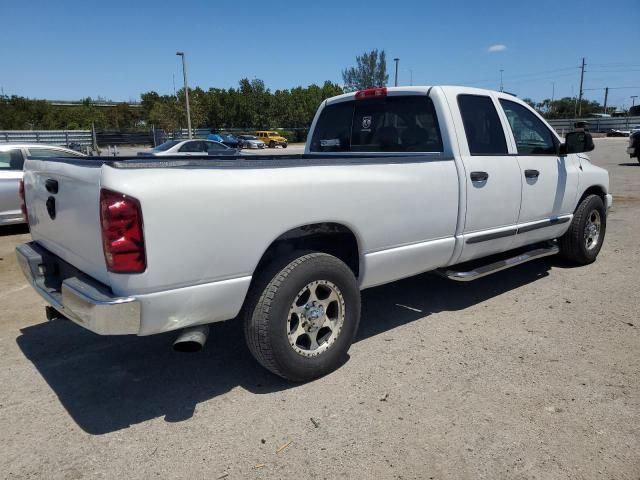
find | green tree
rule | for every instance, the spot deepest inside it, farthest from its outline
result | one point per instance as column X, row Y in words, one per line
column 370, row 71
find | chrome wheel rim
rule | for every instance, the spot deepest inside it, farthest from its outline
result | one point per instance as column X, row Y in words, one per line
column 592, row 230
column 316, row 317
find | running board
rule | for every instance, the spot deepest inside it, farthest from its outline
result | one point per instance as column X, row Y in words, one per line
column 484, row 270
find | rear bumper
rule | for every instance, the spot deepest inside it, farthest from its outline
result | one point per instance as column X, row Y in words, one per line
column 78, row 297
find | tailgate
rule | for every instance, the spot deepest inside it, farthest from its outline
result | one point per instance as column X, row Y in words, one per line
column 63, row 201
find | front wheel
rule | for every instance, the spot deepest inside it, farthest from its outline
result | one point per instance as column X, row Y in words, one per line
column 583, row 241
column 302, row 315
column 272, row 144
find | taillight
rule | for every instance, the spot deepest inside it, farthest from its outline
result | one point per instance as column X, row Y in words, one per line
column 371, row 92
column 23, row 202
column 122, row 236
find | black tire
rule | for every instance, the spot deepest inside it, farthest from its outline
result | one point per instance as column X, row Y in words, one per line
column 284, row 145
column 573, row 244
column 267, row 315
column 272, row 144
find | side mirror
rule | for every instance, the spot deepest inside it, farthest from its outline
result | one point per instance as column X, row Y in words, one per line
column 577, row 142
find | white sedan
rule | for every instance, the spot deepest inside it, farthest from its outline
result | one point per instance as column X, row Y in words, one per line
column 189, row 148
column 12, row 157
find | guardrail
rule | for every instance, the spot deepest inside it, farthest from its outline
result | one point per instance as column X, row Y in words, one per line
column 52, row 137
column 564, row 125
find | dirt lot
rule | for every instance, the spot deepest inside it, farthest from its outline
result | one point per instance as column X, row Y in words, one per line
column 531, row 373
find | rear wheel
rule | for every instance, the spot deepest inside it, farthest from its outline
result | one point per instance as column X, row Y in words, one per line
column 272, row 144
column 583, row 241
column 302, row 315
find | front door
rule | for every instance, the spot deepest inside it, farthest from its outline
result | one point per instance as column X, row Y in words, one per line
column 493, row 186
column 549, row 181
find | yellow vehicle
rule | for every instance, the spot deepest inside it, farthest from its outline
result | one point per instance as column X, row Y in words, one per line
column 271, row 138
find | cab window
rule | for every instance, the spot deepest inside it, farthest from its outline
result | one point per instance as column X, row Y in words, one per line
column 482, row 126
column 405, row 123
column 531, row 135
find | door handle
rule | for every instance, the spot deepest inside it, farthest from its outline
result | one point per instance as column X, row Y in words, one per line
column 479, row 176
column 531, row 173
column 51, row 185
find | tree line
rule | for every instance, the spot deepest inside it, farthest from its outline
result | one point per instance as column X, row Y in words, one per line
column 251, row 106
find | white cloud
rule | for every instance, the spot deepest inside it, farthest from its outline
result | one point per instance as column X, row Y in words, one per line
column 499, row 47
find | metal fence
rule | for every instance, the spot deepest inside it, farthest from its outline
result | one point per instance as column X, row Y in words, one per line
column 595, row 124
column 52, row 137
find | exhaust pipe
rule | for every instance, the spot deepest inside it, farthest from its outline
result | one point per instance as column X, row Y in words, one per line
column 191, row 339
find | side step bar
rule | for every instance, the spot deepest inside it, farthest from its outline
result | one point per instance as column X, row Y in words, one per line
column 484, row 270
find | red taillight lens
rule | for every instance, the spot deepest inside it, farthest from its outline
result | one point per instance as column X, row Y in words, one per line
column 122, row 236
column 23, row 202
column 371, row 92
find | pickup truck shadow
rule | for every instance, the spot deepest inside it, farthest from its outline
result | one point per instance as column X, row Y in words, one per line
column 19, row 229
column 109, row 383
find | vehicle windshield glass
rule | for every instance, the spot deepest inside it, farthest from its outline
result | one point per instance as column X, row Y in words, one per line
column 274, row 134
column 166, row 146
column 250, row 137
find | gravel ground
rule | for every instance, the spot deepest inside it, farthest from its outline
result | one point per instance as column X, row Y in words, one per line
column 533, row 372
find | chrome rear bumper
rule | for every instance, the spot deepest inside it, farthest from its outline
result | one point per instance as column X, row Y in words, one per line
column 78, row 297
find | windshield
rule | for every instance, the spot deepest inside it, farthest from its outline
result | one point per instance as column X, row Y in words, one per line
column 166, row 146
column 274, row 134
column 250, row 137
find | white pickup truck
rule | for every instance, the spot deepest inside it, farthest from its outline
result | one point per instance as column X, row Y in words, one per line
column 393, row 182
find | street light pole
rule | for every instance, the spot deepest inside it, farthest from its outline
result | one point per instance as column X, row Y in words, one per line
column 501, row 85
column 396, row 60
column 186, row 91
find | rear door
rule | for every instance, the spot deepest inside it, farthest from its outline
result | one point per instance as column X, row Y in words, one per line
column 549, row 181
column 492, row 178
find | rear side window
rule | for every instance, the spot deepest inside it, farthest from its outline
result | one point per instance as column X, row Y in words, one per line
column 531, row 134
column 11, row 160
column 390, row 124
column 482, row 126
column 193, row 147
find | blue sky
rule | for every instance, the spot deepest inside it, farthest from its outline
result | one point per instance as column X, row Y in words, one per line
column 117, row 50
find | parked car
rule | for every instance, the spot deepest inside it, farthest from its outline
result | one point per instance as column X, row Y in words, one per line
column 250, row 141
column 618, row 133
column 634, row 145
column 11, row 161
column 393, row 182
column 230, row 140
column 272, row 138
column 188, row 148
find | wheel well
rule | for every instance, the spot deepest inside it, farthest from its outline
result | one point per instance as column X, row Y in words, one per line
column 593, row 190
column 332, row 238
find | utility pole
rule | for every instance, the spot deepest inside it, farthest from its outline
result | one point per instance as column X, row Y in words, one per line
column 633, row 100
column 606, row 96
column 186, row 91
column 397, row 60
column 580, row 94
column 411, row 77
column 501, row 85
